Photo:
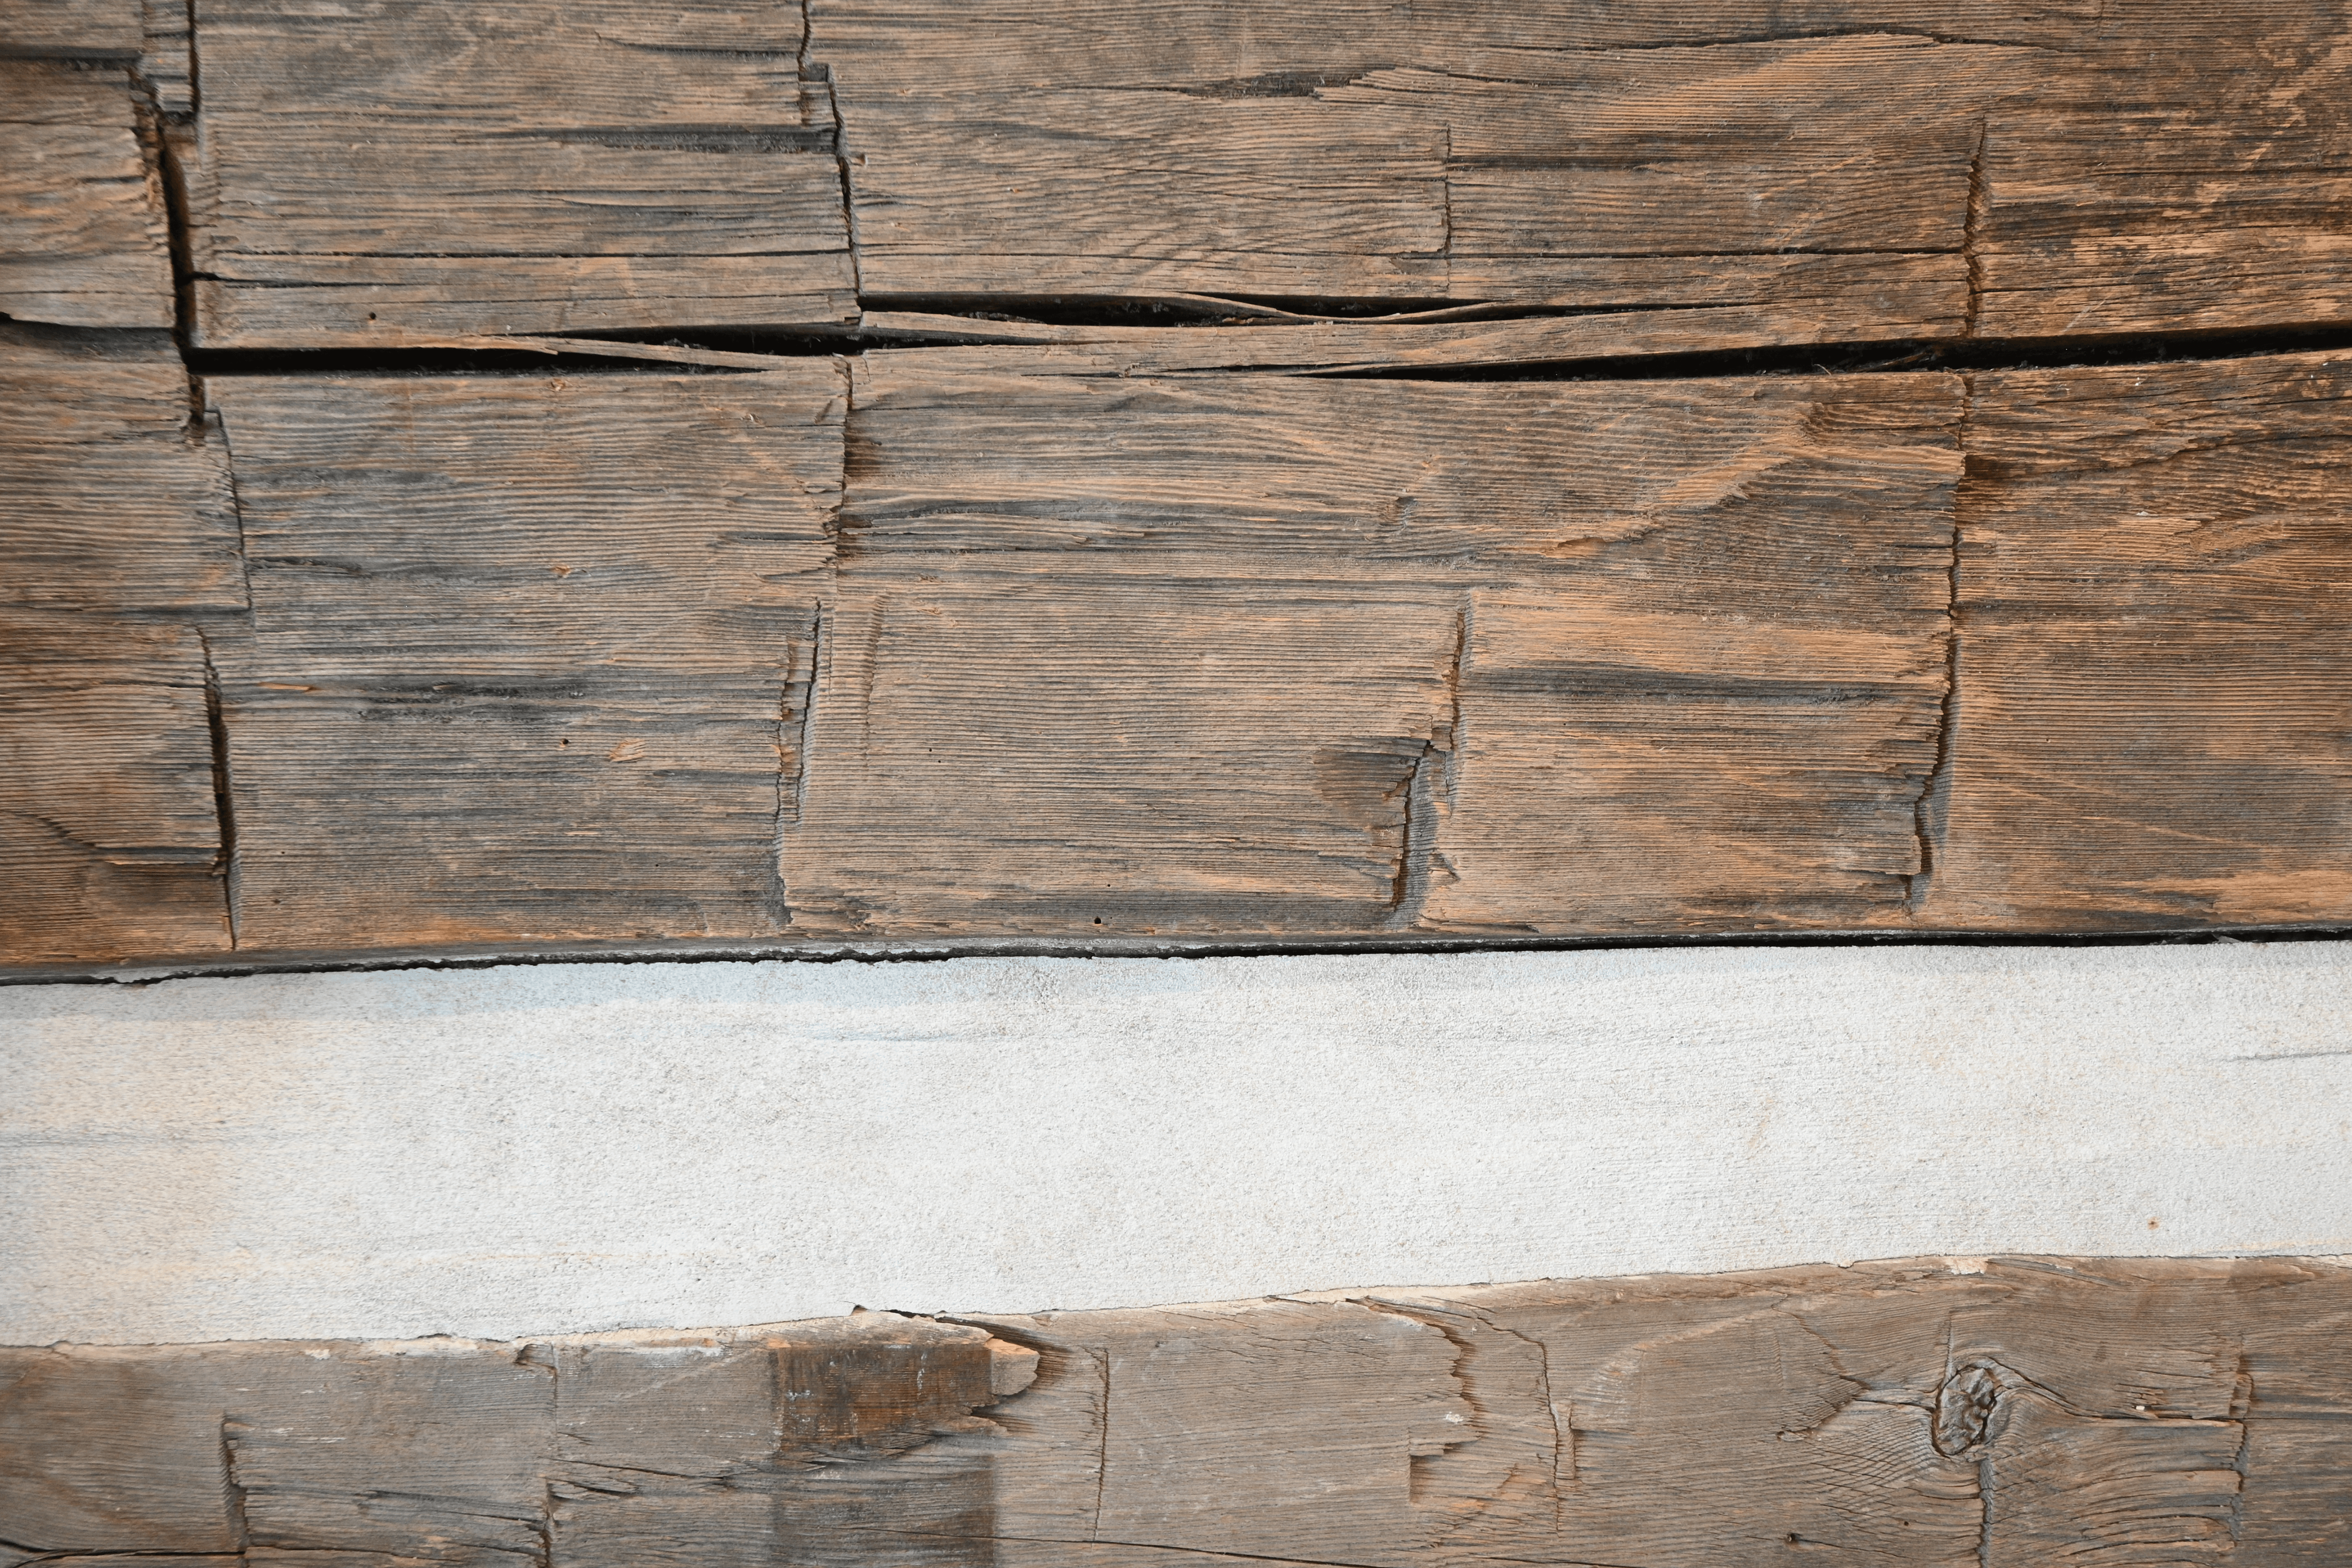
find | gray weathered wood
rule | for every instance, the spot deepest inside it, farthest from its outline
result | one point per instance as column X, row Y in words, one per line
column 116, row 522
column 2140, row 1413
column 791, row 1444
column 82, row 210
column 529, row 656
column 547, row 168
column 2037, row 1411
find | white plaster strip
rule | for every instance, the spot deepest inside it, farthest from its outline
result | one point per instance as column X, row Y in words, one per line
column 566, row 1148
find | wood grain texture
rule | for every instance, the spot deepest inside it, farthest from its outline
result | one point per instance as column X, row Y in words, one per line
column 1254, row 654
column 1033, row 648
column 2190, row 170
column 2153, row 715
column 167, row 67
column 748, row 1445
column 121, row 543
column 2034, row 1412
column 2010, row 171
column 544, row 168
column 2138, row 1413
column 82, row 210
column 2014, row 170
column 1282, row 152
column 69, row 30
column 529, row 656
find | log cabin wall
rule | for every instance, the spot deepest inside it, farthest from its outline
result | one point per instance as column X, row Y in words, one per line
column 505, row 487
column 640, row 475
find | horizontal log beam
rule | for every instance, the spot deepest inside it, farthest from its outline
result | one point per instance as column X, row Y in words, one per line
column 1207, row 532
column 884, row 649
column 2011, row 1410
column 1714, row 176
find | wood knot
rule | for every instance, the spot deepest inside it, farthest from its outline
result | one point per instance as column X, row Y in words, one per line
column 1968, row 1408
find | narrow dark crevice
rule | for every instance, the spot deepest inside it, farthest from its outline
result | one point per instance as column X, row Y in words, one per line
column 1079, row 309
column 795, row 722
column 1985, row 1529
column 1416, row 836
column 234, row 1494
column 818, row 73
column 1973, row 225
column 1912, row 354
column 224, row 804
column 148, row 972
column 1953, row 354
column 842, row 161
column 1819, row 34
column 129, row 343
column 441, row 362
column 740, row 138
column 1930, row 811
column 1267, row 84
column 172, row 133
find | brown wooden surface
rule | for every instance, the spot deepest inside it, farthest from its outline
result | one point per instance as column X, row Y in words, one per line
column 1263, row 654
column 2003, row 171
column 2154, row 716
column 2007, row 170
column 121, row 546
column 534, row 650
column 539, row 168
column 70, row 29
column 1709, row 176
column 1227, row 516
column 874, row 649
column 2027, row 1411
column 81, row 210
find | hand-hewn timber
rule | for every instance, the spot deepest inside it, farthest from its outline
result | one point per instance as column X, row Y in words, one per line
column 885, row 648
column 1146, row 598
column 71, row 29
column 121, row 546
column 533, row 651
column 81, row 206
column 433, row 170
column 2026, row 1410
column 1720, row 174
column 2153, row 718
column 2007, row 170
column 1241, row 653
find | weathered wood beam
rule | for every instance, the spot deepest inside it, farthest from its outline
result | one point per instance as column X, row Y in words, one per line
column 2153, row 715
column 82, row 222
column 532, row 651
column 70, row 29
column 1717, row 175
column 2007, row 1411
column 121, row 544
column 880, row 650
column 2004, row 171
column 543, row 168
column 1246, row 653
